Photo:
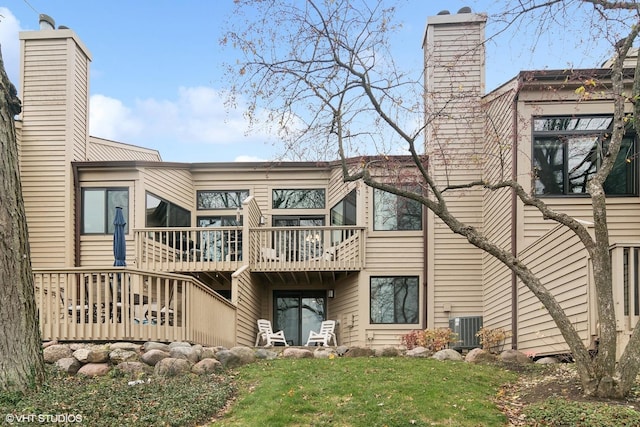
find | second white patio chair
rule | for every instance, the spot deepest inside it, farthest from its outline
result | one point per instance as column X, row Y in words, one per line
column 266, row 334
column 325, row 335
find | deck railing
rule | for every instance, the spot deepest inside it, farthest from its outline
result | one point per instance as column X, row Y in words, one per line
column 262, row 248
column 126, row 304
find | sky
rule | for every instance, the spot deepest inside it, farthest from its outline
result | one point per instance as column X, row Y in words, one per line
column 156, row 76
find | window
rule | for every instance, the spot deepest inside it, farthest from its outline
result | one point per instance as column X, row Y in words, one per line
column 216, row 199
column 99, row 209
column 391, row 212
column 298, row 199
column 394, row 300
column 568, row 151
column 344, row 212
column 162, row 213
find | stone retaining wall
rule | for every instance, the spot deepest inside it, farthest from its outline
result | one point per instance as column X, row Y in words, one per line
column 178, row 358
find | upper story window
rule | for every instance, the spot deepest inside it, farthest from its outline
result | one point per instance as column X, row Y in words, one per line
column 301, row 198
column 344, row 212
column 162, row 213
column 392, row 212
column 568, row 151
column 99, row 209
column 221, row 199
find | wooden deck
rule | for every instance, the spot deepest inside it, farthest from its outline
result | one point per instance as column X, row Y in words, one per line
column 126, row 304
column 263, row 249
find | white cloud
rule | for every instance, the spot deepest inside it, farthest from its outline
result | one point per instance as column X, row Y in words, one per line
column 246, row 158
column 9, row 29
column 110, row 119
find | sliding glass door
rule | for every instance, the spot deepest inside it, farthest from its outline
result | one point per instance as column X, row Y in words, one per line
column 298, row 312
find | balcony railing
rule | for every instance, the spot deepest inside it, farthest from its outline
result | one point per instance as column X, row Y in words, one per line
column 262, row 248
column 127, row 304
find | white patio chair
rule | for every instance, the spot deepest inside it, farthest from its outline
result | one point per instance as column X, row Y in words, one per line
column 266, row 334
column 325, row 335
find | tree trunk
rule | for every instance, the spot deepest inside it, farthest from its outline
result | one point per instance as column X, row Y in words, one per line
column 21, row 362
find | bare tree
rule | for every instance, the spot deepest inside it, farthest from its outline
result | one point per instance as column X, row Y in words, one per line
column 324, row 71
column 21, row 362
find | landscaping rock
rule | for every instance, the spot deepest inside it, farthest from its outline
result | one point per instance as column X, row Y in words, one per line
column 296, row 353
column 547, row 360
column 125, row 346
column 478, row 355
column 263, row 353
column 359, row 352
column 342, row 350
column 152, row 345
column 387, row 352
column 178, row 344
column 208, row 352
column 86, row 355
column 70, row 365
column 515, row 356
column 118, row 356
column 56, row 352
column 324, row 353
column 94, row 369
column 152, row 357
column 206, row 366
column 188, row 353
column 418, row 352
column 49, row 343
column 171, row 367
column 245, row 354
column 133, row 369
column 447, row 354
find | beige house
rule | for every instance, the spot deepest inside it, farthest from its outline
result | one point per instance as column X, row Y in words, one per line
column 212, row 247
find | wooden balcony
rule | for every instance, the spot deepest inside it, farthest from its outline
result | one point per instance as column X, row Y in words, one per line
column 263, row 249
column 126, row 304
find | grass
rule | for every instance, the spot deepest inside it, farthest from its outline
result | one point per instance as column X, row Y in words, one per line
column 367, row 392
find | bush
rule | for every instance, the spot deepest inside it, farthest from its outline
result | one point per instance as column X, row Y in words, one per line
column 432, row 339
column 492, row 340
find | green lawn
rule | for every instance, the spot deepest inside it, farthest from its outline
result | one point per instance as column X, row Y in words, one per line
column 367, row 392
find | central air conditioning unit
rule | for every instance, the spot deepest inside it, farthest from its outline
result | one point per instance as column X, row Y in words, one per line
column 466, row 329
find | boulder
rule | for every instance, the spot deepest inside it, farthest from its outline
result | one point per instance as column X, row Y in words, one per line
column 171, row 367
column 324, row 353
column 360, row 352
column 263, row 353
column 152, row 345
column 152, row 357
column 125, row 346
column 418, row 352
column 447, row 354
column 70, row 365
column 55, row 352
column 478, row 355
column 87, row 355
column 206, row 366
column 188, row 353
column 296, row 353
column 549, row 360
column 178, row 344
column 132, row 369
column 94, row 369
column 387, row 352
column 515, row 356
column 118, row 356
column 236, row 357
column 246, row 354
column 342, row 350
column 49, row 343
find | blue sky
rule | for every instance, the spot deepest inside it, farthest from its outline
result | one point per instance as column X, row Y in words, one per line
column 157, row 79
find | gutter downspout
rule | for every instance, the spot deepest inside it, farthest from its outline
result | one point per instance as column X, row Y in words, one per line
column 425, row 256
column 514, row 220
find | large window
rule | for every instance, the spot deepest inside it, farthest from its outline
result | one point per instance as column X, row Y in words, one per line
column 394, row 300
column 298, row 198
column 99, row 209
column 392, row 212
column 220, row 199
column 568, row 151
column 344, row 212
column 162, row 213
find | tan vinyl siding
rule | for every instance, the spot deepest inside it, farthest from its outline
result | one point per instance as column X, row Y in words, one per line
column 103, row 150
column 174, row 185
column 247, row 294
column 344, row 309
column 567, row 280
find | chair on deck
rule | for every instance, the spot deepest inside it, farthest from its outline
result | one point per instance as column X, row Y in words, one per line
column 266, row 334
column 325, row 335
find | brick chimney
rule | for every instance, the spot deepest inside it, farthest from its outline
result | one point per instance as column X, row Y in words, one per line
column 54, row 89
